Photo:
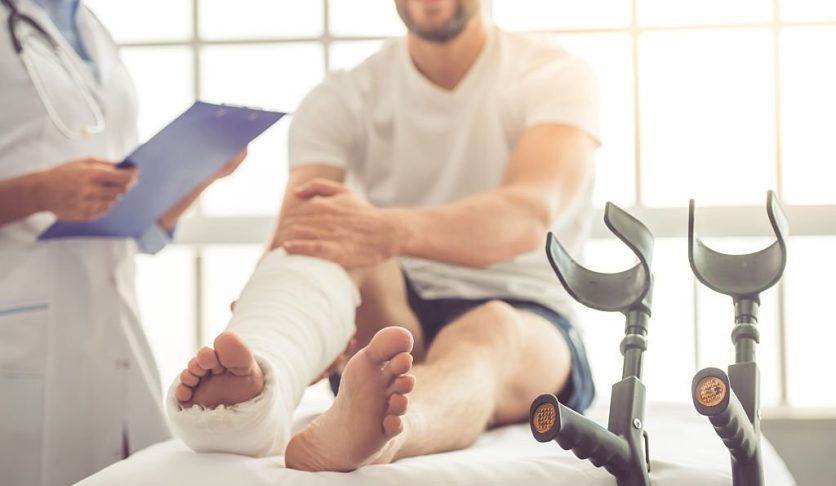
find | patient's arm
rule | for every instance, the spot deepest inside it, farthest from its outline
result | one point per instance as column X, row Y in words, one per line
column 548, row 168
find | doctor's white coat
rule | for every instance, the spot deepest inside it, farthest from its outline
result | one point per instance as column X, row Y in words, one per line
column 78, row 385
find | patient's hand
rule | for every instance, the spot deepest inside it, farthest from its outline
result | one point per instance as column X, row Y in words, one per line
column 333, row 223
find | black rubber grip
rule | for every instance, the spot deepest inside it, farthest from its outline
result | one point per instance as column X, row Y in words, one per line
column 714, row 398
column 585, row 438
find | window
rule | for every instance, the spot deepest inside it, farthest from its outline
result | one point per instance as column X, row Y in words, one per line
column 707, row 99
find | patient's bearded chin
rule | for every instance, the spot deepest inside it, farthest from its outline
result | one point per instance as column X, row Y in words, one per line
column 449, row 30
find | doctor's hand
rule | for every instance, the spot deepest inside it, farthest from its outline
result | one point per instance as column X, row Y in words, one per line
column 329, row 221
column 169, row 219
column 230, row 166
column 82, row 190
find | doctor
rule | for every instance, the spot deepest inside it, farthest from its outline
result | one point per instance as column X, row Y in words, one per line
column 78, row 385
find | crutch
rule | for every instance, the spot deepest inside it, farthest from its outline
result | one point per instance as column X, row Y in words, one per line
column 622, row 448
column 732, row 402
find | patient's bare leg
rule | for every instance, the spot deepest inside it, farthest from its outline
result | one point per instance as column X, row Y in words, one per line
column 360, row 426
column 483, row 369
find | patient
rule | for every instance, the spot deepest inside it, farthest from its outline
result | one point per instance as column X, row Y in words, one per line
column 422, row 283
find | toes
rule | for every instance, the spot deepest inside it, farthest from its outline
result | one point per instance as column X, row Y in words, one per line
column 392, row 425
column 188, row 379
column 182, row 393
column 208, row 360
column 400, row 364
column 397, row 404
column 195, row 368
column 388, row 343
column 402, row 384
column 233, row 354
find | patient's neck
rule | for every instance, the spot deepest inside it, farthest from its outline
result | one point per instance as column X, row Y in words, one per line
column 446, row 64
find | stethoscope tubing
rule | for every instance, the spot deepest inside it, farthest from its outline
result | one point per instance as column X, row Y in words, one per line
column 15, row 16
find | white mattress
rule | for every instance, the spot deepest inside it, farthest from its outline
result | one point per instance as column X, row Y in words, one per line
column 684, row 451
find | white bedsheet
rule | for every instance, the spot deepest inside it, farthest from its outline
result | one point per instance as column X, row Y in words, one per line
column 684, row 451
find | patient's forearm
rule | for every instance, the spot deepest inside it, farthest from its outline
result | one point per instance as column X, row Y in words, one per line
column 479, row 230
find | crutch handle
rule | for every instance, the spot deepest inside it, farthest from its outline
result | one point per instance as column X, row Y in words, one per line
column 714, row 398
column 550, row 420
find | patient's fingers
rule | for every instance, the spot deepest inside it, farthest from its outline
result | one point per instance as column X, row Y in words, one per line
column 319, row 187
column 322, row 249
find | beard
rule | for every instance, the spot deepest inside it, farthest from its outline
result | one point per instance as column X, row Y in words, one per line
column 448, row 30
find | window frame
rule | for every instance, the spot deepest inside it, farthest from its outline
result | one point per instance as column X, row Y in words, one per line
column 732, row 221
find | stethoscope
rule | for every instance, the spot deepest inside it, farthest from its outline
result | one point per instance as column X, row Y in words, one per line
column 67, row 64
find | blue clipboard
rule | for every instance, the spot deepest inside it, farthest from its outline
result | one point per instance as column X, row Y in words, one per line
column 171, row 165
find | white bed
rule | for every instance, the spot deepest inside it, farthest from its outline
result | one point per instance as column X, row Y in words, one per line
column 683, row 447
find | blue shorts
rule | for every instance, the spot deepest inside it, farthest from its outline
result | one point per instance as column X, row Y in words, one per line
column 434, row 314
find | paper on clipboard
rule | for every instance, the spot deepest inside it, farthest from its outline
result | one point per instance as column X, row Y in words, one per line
column 172, row 164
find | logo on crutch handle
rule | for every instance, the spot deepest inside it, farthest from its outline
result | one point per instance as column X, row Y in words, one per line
column 711, row 391
column 544, row 418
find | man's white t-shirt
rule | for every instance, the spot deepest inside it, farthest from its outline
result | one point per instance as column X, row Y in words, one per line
column 405, row 142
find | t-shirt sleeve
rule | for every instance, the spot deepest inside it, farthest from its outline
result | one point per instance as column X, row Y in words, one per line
column 323, row 130
column 562, row 89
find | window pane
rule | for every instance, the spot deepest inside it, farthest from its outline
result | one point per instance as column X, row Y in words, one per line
column 716, row 322
column 560, row 14
column 810, row 329
column 164, row 79
column 808, row 10
column 165, row 290
column 273, row 76
column 610, row 56
column 226, row 269
column 364, row 18
column 703, row 12
column 253, row 19
column 707, row 116
column 808, row 111
column 346, row 55
column 256, row 188
column 669, row 360
column 148, row 20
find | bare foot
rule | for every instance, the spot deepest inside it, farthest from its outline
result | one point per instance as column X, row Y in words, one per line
column 225, row 375
column 363, row 424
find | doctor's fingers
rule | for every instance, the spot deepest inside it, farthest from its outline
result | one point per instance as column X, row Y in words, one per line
column 104, row 194
column 83, row 212
column 112, row 177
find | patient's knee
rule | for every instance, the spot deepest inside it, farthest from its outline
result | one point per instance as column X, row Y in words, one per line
column 493, row 325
